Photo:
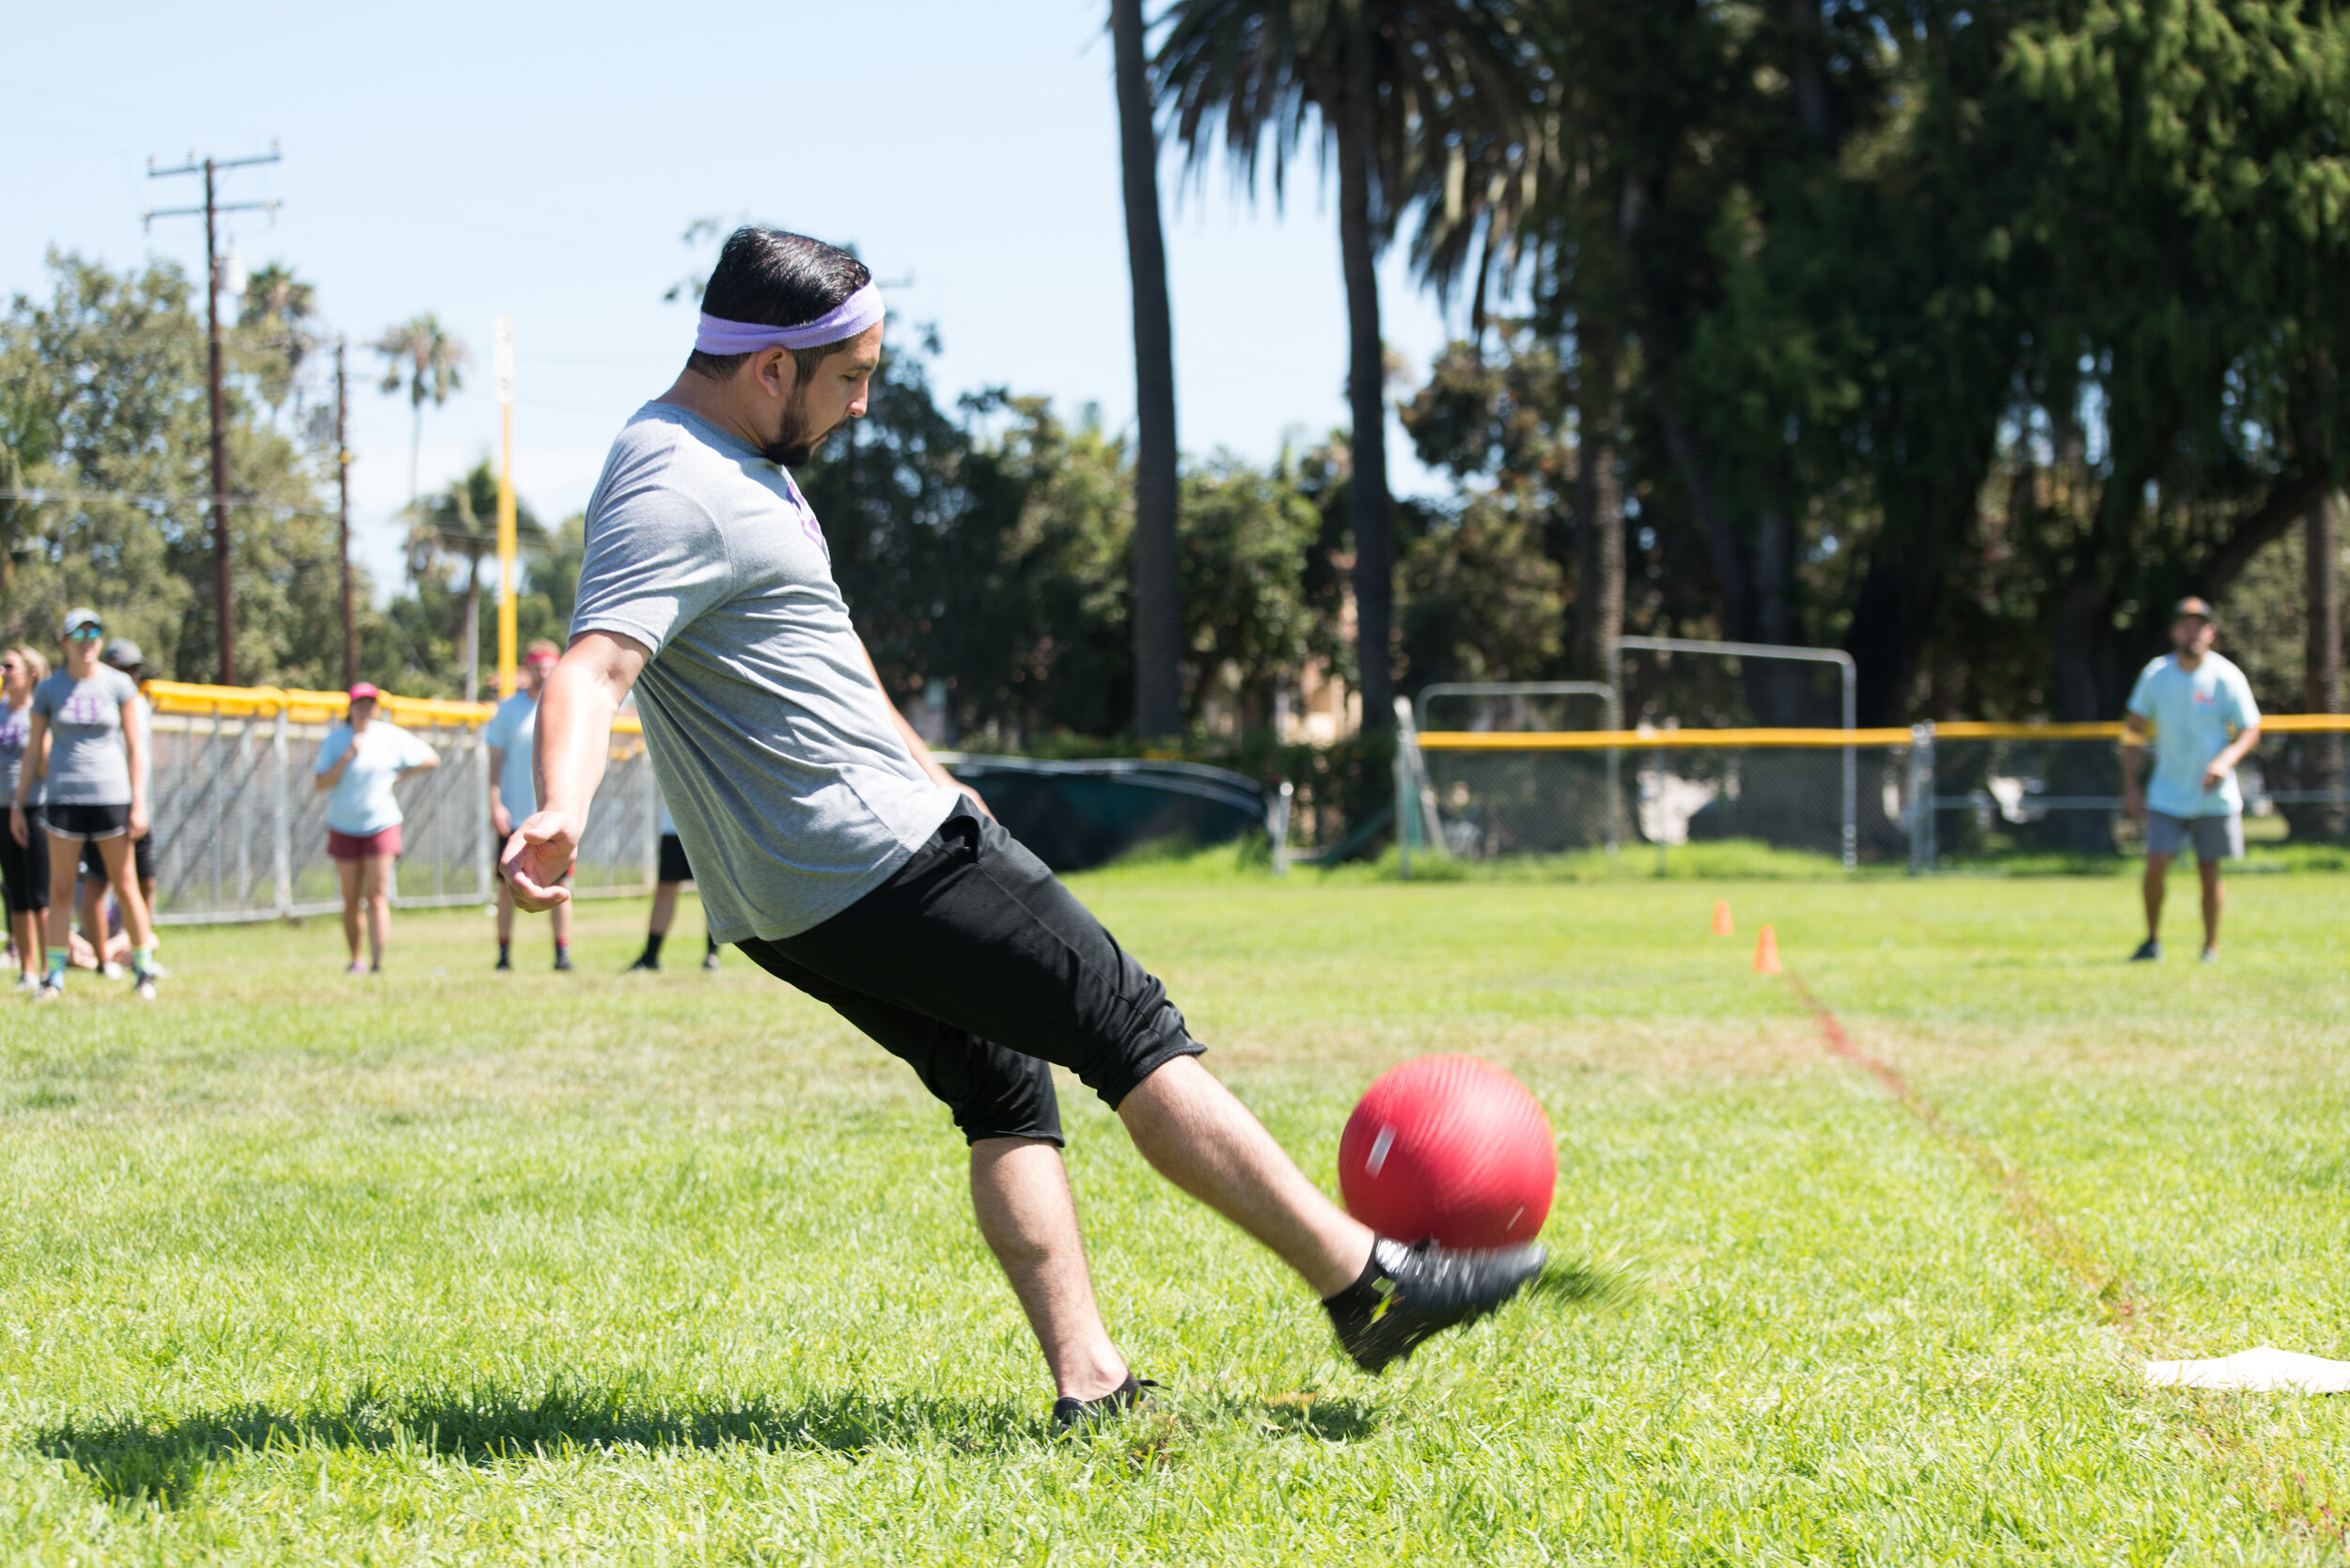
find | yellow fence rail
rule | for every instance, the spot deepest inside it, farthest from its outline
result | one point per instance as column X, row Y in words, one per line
column 309, row 707
column 1957, row 729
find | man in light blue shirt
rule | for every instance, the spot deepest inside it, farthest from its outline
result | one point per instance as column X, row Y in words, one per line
column 510, row 735
column 2204, row 721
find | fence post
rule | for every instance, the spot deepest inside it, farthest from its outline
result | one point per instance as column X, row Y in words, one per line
column 653, row 815
column 1920, row 813
column 1277, row 827
column 1406, row 807
column 281, row 831
column 477, row 819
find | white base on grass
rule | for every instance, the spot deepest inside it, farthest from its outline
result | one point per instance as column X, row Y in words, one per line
column 2265, row 1368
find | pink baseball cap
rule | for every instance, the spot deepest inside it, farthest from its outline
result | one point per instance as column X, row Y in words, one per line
column 366, row 692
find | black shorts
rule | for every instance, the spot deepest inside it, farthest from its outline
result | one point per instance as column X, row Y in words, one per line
column 142, row 857
column 970, row 949
column 86, row 823
column 24, row 868
column 673, row 865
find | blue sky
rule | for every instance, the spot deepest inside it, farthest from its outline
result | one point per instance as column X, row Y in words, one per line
column 545, row 162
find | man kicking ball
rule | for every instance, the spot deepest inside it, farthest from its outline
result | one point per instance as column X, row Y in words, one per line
column 2205, row 722
column 836, row 852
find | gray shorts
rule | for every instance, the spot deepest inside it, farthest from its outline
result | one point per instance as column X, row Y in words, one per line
column 2215, row 838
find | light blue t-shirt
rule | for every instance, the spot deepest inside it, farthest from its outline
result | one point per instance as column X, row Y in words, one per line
column 794, row 792
column 2196, row 713
column 362, row 801
column 512, row 730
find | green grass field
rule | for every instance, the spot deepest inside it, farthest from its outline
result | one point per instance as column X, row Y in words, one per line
column 451, row 1266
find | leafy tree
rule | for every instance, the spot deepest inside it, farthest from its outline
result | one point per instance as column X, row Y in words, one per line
column 1245, row 538
column 103, row 411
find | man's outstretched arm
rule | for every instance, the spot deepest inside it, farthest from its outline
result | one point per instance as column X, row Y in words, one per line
column 583, row 693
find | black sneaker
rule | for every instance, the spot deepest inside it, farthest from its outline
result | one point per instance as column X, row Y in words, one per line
column 505, row 963
column 642, row 967
column 1407, row 1293
column 2148, row 950
column 562, row 957
column 710, row 960
column 1070, row 1412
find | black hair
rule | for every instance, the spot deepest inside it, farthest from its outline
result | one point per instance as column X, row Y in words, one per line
column 772, row 278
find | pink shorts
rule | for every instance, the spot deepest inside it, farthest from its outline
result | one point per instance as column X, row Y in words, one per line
column 361, row 846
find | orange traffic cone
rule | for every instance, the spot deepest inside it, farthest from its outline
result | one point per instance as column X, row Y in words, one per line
column 1766, row 953
column 1721, row 918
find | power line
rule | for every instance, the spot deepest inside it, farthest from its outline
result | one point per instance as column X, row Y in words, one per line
column 134, row 497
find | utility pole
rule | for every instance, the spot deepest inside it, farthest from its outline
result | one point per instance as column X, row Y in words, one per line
column 505, row 507
column 342, row 508
column 212, row 211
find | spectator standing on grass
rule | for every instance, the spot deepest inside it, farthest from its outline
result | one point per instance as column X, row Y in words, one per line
column 360, row 761
column 514, row 790
column 674, row 874
column 836, row 854
column 124, row 654
column 2204, row 721
column 83, row 742
column 24, row 867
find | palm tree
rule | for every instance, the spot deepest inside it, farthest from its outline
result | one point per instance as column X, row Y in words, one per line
column 1385, row 84
column 420, row 356
column 452, row 526
column 1158, row 589
column 274, row 316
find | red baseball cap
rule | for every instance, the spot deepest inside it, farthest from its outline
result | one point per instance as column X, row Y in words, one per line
column 366, row 692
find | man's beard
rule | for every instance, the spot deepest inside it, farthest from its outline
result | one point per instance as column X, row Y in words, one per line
column 795, row 444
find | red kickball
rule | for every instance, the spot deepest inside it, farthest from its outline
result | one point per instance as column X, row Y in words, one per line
column 1449, row 1148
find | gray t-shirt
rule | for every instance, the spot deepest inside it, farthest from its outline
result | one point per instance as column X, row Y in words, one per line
column 88, row 763
column 16, row 729
column 793, row 791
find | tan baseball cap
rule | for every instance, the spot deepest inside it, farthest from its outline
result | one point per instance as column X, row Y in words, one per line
column 2191, row 606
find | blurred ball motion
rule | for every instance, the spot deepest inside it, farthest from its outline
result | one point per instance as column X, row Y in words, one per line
column 1452, row 1149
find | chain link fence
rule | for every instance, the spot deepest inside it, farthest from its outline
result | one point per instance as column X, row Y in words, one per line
column 240, row 829
column 1934, row 797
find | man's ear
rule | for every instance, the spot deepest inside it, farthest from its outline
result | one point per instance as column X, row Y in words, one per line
column 775, row 370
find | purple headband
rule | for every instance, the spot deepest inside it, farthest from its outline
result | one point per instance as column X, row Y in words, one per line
column 842, row 321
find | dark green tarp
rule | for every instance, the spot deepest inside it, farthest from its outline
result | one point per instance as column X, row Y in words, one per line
column 1076, row 815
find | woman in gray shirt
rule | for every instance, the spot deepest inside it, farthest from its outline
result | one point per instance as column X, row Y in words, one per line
column 24, row 867
column 83, row 743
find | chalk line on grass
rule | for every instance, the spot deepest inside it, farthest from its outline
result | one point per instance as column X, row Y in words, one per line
column 2120, row 1302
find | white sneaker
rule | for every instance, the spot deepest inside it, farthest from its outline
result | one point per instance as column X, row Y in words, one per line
column 48, row 993
column 146, row 988
column 155, row 970
column 27, row 982
column 110, row 970
column 2211, row 955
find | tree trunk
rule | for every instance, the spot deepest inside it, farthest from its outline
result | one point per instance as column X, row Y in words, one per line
column 1599, row 532
column 2321, row 667
column 1366, row 393
column 1158, row 594
column 1811, row 77
column 1775, row 688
